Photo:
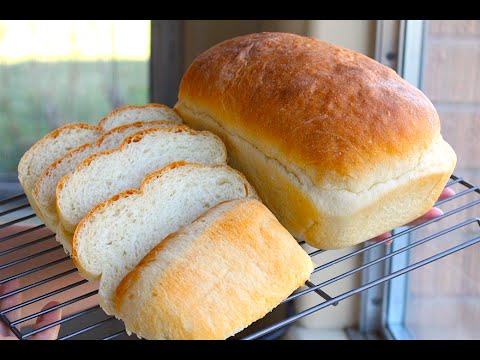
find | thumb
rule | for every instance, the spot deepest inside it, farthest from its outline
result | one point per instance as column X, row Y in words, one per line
column 46, row 319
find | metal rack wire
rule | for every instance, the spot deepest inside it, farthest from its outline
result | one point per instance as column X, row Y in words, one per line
column 32, row 260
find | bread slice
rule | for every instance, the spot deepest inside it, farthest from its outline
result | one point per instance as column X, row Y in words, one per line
column 117, row 234
column 130, row 114
column 51, row 147
column 105, row 174
column 214, row 277
column 44, row 191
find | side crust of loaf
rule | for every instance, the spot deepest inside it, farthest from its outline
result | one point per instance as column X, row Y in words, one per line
column 235, row 263
column 333, row 219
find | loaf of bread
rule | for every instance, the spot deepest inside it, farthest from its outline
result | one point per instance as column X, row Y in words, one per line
column 108, row 173
column 131, row 113
column 45, row 187
column 338, row 146
column 112, row 239
column 214, row 277
column 45, row 151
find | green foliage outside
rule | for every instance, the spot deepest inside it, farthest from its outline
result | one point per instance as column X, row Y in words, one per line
column 37, row 97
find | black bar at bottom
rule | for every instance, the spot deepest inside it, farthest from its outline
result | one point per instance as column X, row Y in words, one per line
column 114, row 335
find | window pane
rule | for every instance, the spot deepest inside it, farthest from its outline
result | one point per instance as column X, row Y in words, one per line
column 58, row 72
column 444, row 297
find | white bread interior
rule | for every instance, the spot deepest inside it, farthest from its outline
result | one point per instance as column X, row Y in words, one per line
column 105, row 174
column 48, row 149
column 45, row 187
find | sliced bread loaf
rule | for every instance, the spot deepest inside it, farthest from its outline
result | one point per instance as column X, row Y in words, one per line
column 214, row 277
column 105, row 174
column 117, row 234
column 130, row 114
column 44, row 191
column 51, row 147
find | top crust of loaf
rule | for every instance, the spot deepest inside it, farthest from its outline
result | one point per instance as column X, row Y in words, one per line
column 336, row 116
column 111, row 120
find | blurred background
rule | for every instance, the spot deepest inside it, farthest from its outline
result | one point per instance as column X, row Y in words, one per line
column 58, row 72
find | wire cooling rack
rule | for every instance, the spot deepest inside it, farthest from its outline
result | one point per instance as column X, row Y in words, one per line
column 36, row 269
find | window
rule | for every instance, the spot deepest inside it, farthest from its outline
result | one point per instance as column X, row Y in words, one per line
column 442, row 301
column 58, row 72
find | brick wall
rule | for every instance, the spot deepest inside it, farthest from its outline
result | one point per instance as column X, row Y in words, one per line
column 445, row 295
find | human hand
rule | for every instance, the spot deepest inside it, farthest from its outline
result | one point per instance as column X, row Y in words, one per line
column 430, row 214
column 42, row 320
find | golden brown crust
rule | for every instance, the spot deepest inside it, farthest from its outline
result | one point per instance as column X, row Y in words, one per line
column 57, row 131
column 119, row 110
column 235, row 262
column 127, row 126
column 149, row 178
column 329, row 110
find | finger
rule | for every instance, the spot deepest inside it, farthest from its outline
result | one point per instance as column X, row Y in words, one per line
column 46, row 319
column 446, row 193
column 383, row 237
column 8, row 337
column 8, row 302
column 430, row 214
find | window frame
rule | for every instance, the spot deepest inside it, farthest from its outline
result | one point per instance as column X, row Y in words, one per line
column 166, row 52
column 399, row 45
